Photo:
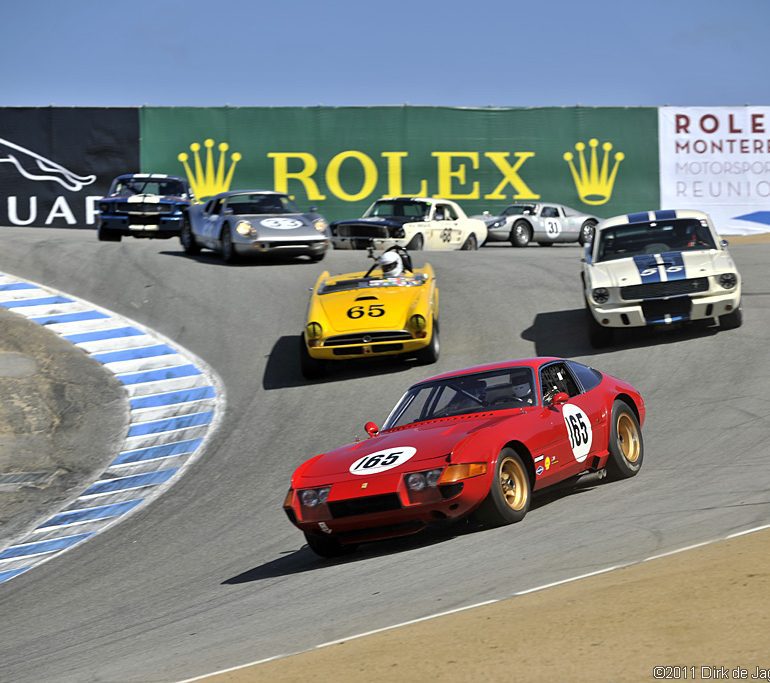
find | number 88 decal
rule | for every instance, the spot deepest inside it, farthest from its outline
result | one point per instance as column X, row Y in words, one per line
column 578, row 430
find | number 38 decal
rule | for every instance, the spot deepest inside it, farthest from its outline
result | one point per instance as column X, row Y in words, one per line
column 373, row 311
column 382, row 460
column 578, row 430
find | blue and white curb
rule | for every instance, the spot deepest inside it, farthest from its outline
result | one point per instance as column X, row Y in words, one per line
column 176, row 402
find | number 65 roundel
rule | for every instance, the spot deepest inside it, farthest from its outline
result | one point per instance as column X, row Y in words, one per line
column 578, row 430
column 382, row 460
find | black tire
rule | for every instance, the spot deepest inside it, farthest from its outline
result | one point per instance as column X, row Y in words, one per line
column 311, row 368
column 599, row 336
column 586, row 232
column 187, row 239
column 416, row 243
column 327, row 545
column 521, row 234
column 228, row 250
column 510, row 494
column 108, row 235
column 430, row 353
column 732, row 320
column 545, row 244
column 471, row 244
column 626, row 445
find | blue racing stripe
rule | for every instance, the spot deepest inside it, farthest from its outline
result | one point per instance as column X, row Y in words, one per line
column 134, row 354
column 642, row 217
column 98, row 335
column 68, row 317
column 42, row 546
column 100, row 512
column 183, row 396
column 7, row 575
column 647, row 266
column 17, row 285
column 156, row 452
column 161, row 374
column 665, row 215
column 45, row 301
column 674, row 264
column 134, row 482
column 171, row 423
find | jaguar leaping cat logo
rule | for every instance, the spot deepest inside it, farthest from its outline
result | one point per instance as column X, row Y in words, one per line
column 33, row 166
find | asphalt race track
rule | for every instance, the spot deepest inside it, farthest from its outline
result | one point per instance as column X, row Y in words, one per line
column 212, row 574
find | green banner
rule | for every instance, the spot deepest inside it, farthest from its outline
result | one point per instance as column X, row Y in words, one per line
column 600, row 160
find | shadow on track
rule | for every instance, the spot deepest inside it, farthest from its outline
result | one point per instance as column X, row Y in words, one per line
column 214, row 259
column 282, row 367
column 565, row 334
column 305, row 560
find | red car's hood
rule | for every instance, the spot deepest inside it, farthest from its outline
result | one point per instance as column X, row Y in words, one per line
column 429, row 440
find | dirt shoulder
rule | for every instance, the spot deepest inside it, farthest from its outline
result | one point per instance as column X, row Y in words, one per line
column 62, row 418
column 761, row 238
column 707, row 607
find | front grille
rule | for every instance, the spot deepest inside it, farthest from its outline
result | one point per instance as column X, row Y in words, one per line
column 655, row 310
column 367, row 337
column 366, row 231
column 658, row 290
column 142, row 207
column 364, row 506
column 359, row 350
column 144, row 220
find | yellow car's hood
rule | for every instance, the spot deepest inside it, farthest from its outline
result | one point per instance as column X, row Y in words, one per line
column 380, row 308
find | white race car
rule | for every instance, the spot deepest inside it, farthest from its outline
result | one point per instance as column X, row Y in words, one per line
column 411, row 222
column 658, row 268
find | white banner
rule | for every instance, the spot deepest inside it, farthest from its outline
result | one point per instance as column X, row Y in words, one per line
column 717, row 159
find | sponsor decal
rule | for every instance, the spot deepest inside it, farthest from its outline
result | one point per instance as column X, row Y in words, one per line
column 34, row 166
column 207, row 177
column 540, row 469
column 550, row 460
column 381, row 461
column 594, row 180
column 324, row 527
column 579, row 431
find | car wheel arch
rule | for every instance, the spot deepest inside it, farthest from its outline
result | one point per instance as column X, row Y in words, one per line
column 526, row 456
column 631, row 404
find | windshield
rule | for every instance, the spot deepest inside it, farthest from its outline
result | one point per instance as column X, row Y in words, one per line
column 401, row 208
column 519, row 210
column 480, row 392
column 654, row 237
column 368, row 282
column 250, row 204
column 132, row 186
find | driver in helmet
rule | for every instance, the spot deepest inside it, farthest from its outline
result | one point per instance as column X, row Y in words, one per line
column 391, row 264
column 521, row 388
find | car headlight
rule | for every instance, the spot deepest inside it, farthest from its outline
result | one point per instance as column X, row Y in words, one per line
column 245, row 228
column 417, row 481
column 417, row 323
column 320, row 224
column 313, row 331
column 728, row 280
column 399, row 233
column 600, row 295
column 312, row 497
column 497, row 224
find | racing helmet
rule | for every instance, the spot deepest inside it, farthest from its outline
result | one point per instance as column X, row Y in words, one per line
column 391, row 264
column 521, row 387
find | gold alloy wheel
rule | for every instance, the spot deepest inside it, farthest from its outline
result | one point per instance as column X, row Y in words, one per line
column 514, row 483
column 628, row 437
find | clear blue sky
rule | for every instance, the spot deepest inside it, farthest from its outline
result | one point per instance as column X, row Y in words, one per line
column 482, row 53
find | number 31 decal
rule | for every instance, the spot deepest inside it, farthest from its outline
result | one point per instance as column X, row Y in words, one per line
column 578, row 430
column 373, row 311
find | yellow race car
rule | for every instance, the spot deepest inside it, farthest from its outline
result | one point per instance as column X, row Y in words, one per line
column 389, row 310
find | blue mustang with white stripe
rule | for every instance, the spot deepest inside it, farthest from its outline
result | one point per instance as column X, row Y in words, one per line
column 658, row 268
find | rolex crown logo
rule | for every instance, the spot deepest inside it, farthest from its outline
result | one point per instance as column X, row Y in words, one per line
column 208, row 178
column 594, row 182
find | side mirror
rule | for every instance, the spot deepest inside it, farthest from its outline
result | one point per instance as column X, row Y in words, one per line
column 724, row 243
column 372, row 429
column 560, row 399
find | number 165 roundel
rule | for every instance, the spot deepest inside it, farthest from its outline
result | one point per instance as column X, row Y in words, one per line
column 476, row 442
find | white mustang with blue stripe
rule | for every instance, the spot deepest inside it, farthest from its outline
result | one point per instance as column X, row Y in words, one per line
column 658, row 268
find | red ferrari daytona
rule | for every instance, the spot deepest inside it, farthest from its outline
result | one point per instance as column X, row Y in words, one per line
column 476, row 441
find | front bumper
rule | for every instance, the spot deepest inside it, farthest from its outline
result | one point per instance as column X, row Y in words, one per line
column 308, row 247
column 677, row 309
column 151, row 226
column 400, row 342
column 385, row 511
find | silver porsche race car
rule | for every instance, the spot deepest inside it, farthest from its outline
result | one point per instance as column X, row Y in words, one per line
column 254, row 222
column 540, row 222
